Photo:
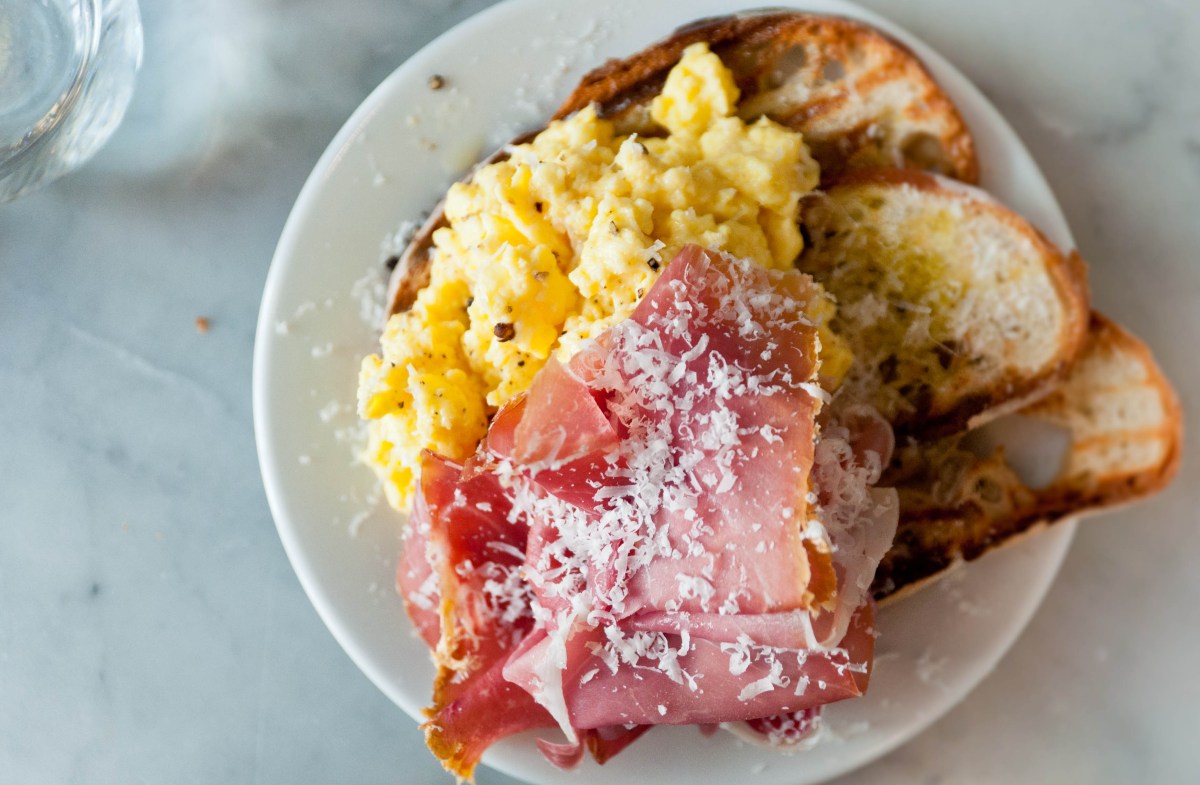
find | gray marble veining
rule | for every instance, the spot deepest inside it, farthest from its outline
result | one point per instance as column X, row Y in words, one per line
column 151, row 629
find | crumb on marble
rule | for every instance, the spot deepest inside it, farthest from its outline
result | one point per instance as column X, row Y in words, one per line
column 437, row 82
column 202, row 324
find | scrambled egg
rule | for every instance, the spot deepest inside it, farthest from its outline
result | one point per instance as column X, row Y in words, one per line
column 552, row 245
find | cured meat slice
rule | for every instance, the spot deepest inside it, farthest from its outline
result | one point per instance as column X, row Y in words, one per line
column 700, row 544
column 487, row 709
column 565, row 442
column 604, row 743
column 463, row 531
column 702, row 506
column 656, row 533
column 609, row 681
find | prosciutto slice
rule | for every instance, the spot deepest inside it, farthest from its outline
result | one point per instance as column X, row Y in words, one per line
column 567, row 441
column 604, row 743
column 471, row 554
column 708, row 681
column 657, row 533
column 712, row 386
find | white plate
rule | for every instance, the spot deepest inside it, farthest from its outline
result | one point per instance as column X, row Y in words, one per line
column 506, row 69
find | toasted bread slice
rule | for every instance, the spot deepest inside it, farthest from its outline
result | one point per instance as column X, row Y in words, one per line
column 1125, row 430
column 953, row 305
column 859, row 98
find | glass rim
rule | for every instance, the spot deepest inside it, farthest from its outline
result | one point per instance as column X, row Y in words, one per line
column 91, row 20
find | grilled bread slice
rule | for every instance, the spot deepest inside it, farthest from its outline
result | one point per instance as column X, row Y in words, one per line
column 955, row 307
column 859, row 98
column 1125, row 434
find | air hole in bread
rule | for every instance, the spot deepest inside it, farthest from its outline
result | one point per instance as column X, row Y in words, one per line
column 790, row 61
column 1035, row 449
column 924, row 151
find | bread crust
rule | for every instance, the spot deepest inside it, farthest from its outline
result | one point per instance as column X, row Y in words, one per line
column 1121, row 486
column 815, row 74
column 932, row 542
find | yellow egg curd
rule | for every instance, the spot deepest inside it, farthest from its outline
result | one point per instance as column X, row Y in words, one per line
column 560, row 240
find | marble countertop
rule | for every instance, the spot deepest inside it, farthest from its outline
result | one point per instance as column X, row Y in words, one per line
column 151, row 628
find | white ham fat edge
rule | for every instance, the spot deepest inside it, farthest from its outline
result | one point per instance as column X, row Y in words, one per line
column 743, row 732
column 544, row 682
column 858, row 520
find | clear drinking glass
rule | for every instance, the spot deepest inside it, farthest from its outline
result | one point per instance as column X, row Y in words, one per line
column 67, row 70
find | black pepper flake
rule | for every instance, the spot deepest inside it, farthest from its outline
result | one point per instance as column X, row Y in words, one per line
column 470, row 301
column 437, row 82
column 612, row 227
column 945, row 355
column 537, row 206
column 640, row 292
column 391, row 262
column 654, row 264
column 887, row 369
column 540, row 275
column 520, row 363
column 504, row 331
